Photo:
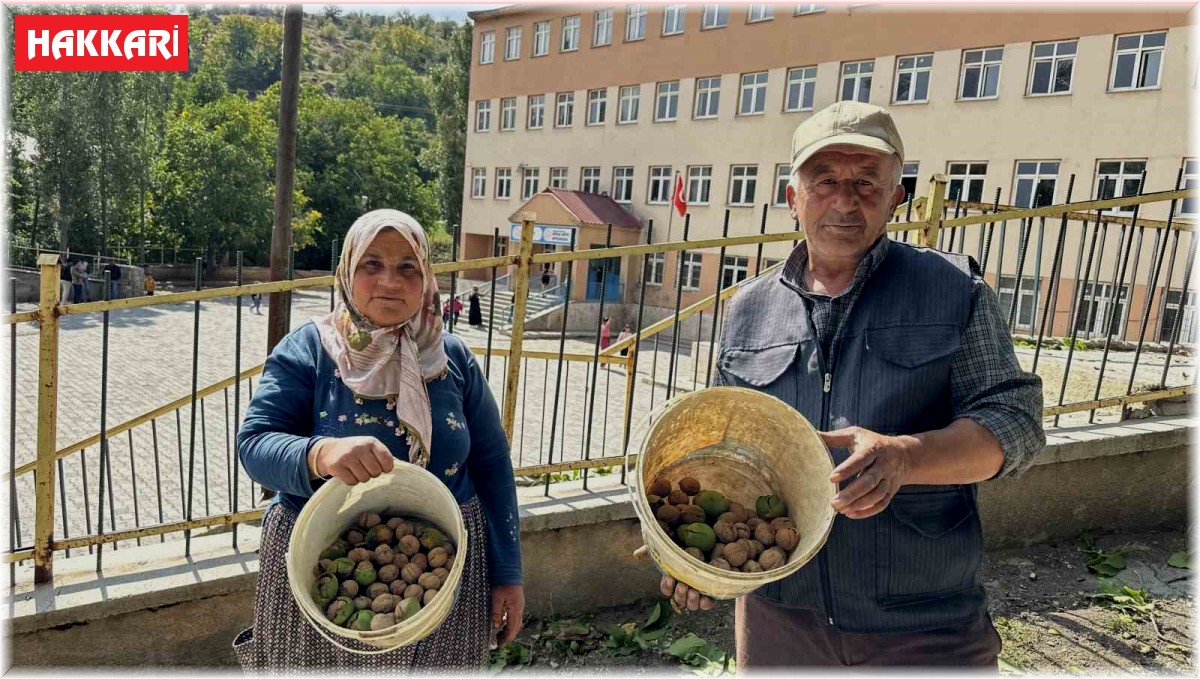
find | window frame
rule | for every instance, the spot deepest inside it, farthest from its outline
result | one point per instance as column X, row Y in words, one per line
column 558, row 106
column 638, row 14
column 574, row 29
column 858, row 77
column 745, row 185
column 487, row 45
column 1120, row 180
column 1141, row 51
column 809, row 84
column 968, row 177
column 508, row 105
column 767, row 9
column 662, row 181
column 657, row 264
column 658, row 98
column 680, row 11
column 602, row 100
column 625, row 181
column 1028, row 298
column 982, row 65
column 708, row 92
column 483, row 111
column 503, row 178
column 702, row 180
column 692, row 263
column 534, row 173
column 716, row 16
column 915, row 174
column 636, row 99
column 1190, row 180
column 543, row 36
column 915, row 71
column 560, row 173
column 815, row 9
column 478, row 183
column 1053, row 60
column 740, row 264
column 508, row 42
column 1035, row 178
column 755, row 86
column 782, row 179
column 540, row 107
column 596, row 18
column 584, row 178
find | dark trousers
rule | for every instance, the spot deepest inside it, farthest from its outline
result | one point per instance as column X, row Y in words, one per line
column 772, row 636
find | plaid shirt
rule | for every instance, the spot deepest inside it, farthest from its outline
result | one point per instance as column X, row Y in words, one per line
column 987, row 384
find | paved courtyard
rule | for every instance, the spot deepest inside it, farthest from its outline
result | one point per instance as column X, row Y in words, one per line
column 150, row 364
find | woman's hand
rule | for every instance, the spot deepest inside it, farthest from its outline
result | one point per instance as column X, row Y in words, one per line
column 353, row 459
column 508, row 599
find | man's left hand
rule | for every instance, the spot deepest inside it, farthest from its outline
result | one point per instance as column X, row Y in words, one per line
column 881, row 464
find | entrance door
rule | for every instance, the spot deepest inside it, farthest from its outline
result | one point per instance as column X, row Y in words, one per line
column 609, row 269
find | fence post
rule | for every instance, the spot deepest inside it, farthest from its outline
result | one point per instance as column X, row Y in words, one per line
column 520, row 298
column 928, row 235
column 47, row 435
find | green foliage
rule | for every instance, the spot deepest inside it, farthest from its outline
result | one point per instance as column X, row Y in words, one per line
column 1100, row 562
column 188, row 159
column 701, row 657
column 631, row 638
column 1180, row 560
column 512, row 654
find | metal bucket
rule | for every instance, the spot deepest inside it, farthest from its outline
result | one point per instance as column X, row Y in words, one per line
column 408, row 491
column 743, row 444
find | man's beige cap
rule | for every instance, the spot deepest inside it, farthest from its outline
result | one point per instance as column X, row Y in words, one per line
column 846, row 122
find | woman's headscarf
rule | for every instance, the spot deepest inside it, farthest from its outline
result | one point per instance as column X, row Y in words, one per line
column 389, row 362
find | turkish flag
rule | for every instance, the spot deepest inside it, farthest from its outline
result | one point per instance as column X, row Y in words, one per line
column 677, row 198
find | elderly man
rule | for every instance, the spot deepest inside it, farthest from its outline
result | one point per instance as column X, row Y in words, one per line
column 901, row 357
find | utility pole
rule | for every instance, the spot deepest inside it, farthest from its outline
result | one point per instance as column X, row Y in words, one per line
column 285, row 169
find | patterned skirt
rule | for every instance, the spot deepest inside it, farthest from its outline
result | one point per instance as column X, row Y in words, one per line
column 283, row 640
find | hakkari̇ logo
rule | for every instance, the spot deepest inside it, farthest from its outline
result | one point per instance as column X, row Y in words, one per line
column 101, row 42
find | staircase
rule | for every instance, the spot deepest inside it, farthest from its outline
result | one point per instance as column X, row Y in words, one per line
column 538, row 302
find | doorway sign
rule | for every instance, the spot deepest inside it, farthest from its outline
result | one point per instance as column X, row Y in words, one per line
column 546, row 235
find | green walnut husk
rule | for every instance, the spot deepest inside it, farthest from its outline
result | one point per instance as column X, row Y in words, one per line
column 361, row 621
column 408, row 608
column 342, row 567
column 324, row 590
column 340, row 610
column 432, row 537
column 364, row 573
column 698, row 535
column 337, row 550
column 360, row 340
column 713, row 503
column 378, row 535
column 770, row 507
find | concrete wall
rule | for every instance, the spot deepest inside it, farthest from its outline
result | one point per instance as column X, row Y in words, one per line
column 28, row 284
column 153, row 606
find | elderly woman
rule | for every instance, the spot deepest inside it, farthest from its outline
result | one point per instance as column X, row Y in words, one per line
column 345, row 396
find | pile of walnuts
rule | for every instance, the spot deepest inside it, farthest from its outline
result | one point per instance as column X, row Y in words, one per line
column 381, row 571
column 721, row 533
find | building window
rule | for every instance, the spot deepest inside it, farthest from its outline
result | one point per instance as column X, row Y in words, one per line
column 537, row 111
column 623, row 184
column 512, row 43
column 508, row 114
column 589, row 180
column 691, row 270
column 478, row 182
column 1191, row 180
column 1170, row 307
column 630, row 96
column 597, row 106
column 1026, row 303
column 1035, row 183
column 912, row 79
column 754, row 94
column 768, row 262
column 1052, row 67
column 856, row 80
column 566, row 109
column 529, row 186
column 699, row 184
column 801, row 87
column 541, row 38
column 759, row 13
column 966, row 181
column 503, row 182
column 1137, row 61
column 1095, row 304
column 809, row 9
column 783, row 174
column 708, row 97
column 666, row 106
column 715, row 16
column 981, row 74
column 660, row 185
column 908, row 179
column 635, row 22
column 1119, row 178
column 602, row 35
column 656, row 266
column 483, row 116
column 558, row 177
column 487, row 47
column 673, row 16
column 743, row 179
column 570, row 34
column 734, row 270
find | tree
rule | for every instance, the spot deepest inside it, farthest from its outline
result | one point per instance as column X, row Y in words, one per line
column 451, row 86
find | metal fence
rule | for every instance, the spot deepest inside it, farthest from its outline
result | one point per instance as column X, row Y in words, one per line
column 568, row 405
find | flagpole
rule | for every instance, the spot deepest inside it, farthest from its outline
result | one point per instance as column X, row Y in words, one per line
column 671, row 213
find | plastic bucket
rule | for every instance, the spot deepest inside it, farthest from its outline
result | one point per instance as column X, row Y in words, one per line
column 743, row 444
column 408, row 491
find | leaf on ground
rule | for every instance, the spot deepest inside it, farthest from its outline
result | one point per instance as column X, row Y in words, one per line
column 1180, row 560
column 685, row 646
